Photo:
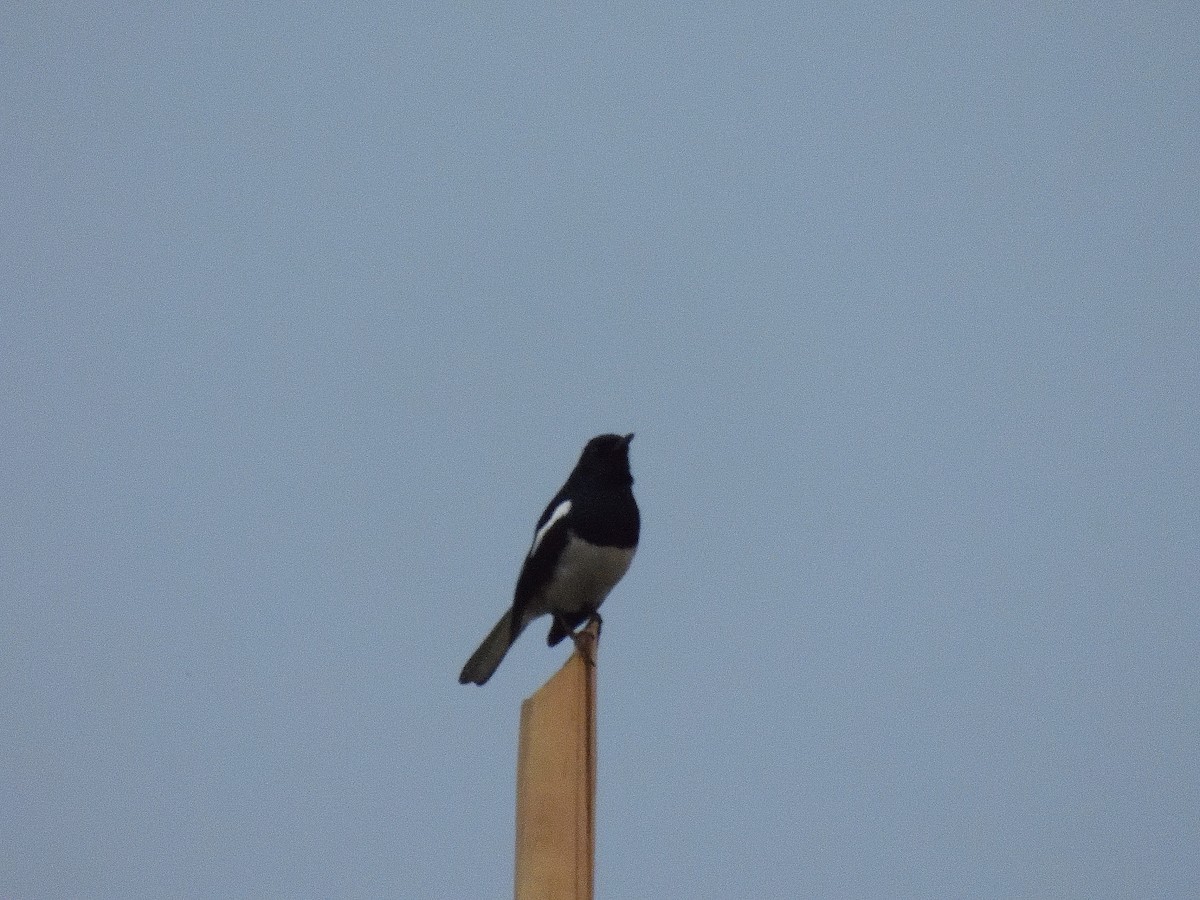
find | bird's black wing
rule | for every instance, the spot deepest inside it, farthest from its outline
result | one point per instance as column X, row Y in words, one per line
column 543, row 556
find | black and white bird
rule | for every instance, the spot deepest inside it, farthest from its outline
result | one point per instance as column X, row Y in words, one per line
column 583, row 544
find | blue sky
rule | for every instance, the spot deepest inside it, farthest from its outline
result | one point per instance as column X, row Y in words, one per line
column 308, row 311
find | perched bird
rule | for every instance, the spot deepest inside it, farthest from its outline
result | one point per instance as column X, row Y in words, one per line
column 582, row 545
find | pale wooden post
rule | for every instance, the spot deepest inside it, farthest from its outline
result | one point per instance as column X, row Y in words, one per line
column 556, row 781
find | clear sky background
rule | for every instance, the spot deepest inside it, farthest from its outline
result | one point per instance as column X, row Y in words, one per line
column 308, row 310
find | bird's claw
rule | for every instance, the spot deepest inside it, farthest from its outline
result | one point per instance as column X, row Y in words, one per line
column 585, row 639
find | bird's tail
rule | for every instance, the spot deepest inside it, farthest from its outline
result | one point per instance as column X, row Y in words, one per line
column 483, row 662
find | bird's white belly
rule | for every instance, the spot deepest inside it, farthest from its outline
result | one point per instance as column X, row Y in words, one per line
column 585, row 575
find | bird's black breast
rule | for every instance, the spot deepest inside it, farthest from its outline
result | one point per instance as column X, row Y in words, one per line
column 607, row 518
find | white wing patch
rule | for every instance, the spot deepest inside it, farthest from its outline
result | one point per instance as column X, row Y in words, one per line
column 559, row 511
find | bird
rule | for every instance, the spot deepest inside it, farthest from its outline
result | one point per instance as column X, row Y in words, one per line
column 582, row 546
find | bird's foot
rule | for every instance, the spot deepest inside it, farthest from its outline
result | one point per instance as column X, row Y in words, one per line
column 586, row 637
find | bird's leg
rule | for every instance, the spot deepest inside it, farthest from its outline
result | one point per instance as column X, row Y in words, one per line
column 586, row 637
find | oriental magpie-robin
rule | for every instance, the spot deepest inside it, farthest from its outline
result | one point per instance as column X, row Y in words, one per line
column 582, row 545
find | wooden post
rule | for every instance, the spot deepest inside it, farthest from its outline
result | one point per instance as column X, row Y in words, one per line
column 556, row 781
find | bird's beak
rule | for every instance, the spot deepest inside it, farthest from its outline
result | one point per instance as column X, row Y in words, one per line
column 628, row 438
